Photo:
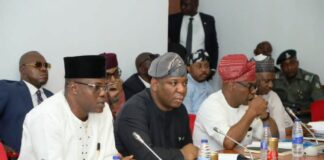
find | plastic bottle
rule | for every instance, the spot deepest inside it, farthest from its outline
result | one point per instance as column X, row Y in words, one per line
column 117, row 157
column 297, row 140
column 204, row 151
column 265, row 142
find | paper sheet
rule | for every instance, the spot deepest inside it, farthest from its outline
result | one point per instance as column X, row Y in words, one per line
column 223, row 156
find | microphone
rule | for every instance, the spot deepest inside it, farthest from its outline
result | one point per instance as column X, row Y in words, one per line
column 139, row 139
column 233, row 140
column 291, row 112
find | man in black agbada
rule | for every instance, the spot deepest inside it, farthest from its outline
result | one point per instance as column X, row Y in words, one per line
column 158, row 115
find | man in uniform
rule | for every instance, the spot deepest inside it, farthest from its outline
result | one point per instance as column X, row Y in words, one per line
column 296, row 87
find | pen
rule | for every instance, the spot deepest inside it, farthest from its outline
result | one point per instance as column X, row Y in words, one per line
column 98, row 149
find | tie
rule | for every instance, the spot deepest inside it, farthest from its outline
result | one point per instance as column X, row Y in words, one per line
column 39, row 97
column 189, row 37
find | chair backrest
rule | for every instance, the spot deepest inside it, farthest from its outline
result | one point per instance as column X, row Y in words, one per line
column 317, row 110
column 192, row 118
column 3, row 155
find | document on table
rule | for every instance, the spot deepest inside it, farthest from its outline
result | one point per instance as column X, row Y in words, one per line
column 318, row 128
column 284, row 148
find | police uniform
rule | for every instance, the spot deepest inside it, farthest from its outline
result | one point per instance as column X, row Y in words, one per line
column 301, row 91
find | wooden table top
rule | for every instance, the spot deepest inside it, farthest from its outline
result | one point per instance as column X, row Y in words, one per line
column 281, row 157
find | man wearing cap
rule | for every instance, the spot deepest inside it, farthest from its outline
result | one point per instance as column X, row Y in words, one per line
column 198, row 87
column 140, row 80
column 264, row 48
column 296, row 87
column 75, row 123
column 157, row 115
column 234, row 110
column 265, row 74
column 17, row 98
column 116, row 94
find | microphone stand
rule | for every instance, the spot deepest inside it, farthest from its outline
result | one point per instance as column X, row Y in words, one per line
column 139, row 138
column 291, row 112
column 233, row 140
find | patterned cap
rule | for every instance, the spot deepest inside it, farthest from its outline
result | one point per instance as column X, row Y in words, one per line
column 263, row 63
column 168, row 64
column 236, row 67
column 198, row 56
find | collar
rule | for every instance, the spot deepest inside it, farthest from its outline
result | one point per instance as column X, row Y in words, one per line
column 32, row 89
column 191, row 79
column 196, row 16
column 147, row 85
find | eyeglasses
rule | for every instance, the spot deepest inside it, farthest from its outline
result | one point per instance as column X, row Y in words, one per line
column 250, row 86
column 116, row 74
column 95, row 87
column 39, row 65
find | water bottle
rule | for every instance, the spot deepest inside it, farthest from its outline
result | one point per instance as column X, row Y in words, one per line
column 117, row 157
column 265, row 142
column 297, row 140
column 204, row 151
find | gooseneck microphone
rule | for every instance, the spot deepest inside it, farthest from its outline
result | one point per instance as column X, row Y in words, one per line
column 291, row 112
column 140, row 139
column 233, row 140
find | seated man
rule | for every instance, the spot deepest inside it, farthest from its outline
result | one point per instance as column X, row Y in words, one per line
column 140, row 80
column 265, row 48
column 296, row 87
column 75, row 123
column 158, row 115
column 116, row 94
column 265, row 74
column 198, row 87
column 17, row 98
column 234, row 110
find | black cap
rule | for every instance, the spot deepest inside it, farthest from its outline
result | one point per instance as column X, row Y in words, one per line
column 90, row 66
column 287, row 54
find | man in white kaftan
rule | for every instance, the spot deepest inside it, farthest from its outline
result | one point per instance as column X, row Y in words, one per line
column 235, row 110
column 265, row 74
column 278, row 113
column 74, row 124
column 52, row 131
column 216, row 112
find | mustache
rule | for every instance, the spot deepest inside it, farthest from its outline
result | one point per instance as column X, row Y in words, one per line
column 179, row 96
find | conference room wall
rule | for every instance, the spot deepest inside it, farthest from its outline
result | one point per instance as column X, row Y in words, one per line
column 286, row 24
column 63, row 28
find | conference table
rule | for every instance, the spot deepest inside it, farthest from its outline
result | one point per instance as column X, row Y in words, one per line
column 281, row 157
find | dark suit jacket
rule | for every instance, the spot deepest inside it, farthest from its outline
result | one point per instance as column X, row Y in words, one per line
column 132, row 86
column 211, row 44
column 15, row 103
